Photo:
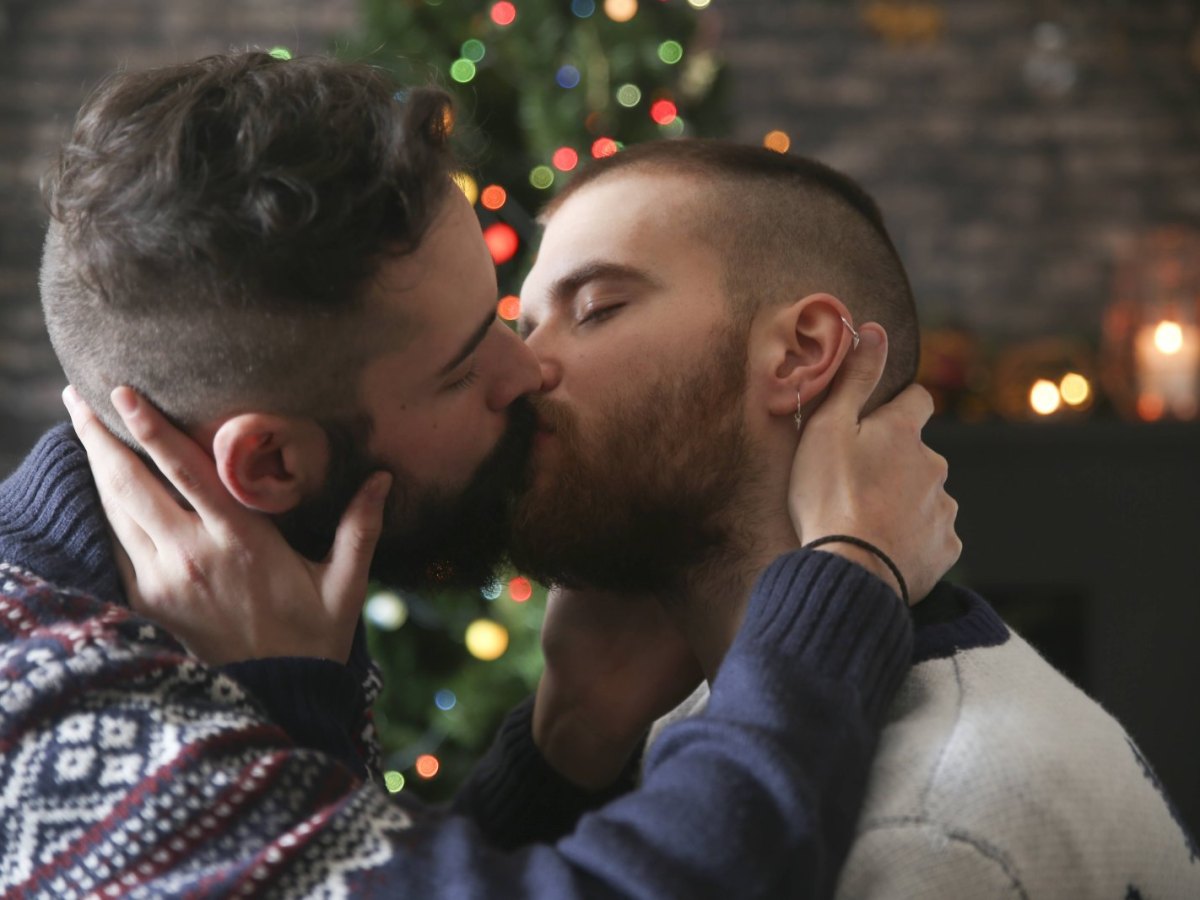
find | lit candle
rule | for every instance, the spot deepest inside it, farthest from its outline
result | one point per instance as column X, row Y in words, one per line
column 1167, row 355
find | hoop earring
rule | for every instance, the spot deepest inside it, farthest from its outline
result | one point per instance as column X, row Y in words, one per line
column 857, row 338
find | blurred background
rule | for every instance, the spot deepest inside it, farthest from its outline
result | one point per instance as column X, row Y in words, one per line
column 1038, row 164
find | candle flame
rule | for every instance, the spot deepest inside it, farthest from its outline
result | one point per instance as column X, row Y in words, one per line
column 1168, row 338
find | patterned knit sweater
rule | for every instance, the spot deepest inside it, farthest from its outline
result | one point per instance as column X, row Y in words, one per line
column 997, row 777
column 129, row 769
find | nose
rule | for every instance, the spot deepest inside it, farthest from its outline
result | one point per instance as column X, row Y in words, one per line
column 551, row 369
column 517, row 374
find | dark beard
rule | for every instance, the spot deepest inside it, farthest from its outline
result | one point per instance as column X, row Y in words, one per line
column 650, row 495
column 432, row 539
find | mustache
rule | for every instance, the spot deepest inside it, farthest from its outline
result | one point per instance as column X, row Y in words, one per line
column 553, row 416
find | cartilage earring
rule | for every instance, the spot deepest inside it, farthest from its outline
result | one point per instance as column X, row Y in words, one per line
column 799, row 416
column 854, row 334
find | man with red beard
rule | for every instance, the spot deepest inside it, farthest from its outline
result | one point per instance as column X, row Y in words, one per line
column 690, row 306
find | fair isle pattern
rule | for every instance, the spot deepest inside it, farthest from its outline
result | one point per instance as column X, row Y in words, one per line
column 128, row 769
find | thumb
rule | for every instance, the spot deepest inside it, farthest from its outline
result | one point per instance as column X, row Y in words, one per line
column 860, row 373
column 345, row 575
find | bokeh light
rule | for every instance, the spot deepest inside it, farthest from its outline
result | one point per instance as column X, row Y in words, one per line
column 520, row 589
column 670, row 52
column 474, row 50
column 777, row 141
column 1150, row 407
column 445, row 700
column 502, row 242
column 486, row 640
column 541, row 177
column 393, row 781
column 603, row 147
column 582, row 9
column 1044, row 397
column 1075, row 389
column 620, row 10
column 503, row 13
column 565, row 159
column 493, row 197
column 427, row 765
column 280, row 53
column 468, row 185
column 386, row 610
column 629, row 95
column 699, row 4
column 674, row 128
column 567, row 77
column 462, row 70
column 663, row 111
column 1168, row 338
column 493, row 589
column 509, row 309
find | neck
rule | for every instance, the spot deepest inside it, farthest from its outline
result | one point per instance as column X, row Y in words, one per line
column 711, row 598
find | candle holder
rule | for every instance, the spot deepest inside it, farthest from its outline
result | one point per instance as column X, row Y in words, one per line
column 1151, row 340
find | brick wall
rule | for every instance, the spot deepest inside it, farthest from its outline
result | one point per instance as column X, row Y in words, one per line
column 51, row 53
column 1006, row 201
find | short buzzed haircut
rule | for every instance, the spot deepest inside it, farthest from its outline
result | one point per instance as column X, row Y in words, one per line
column 216, row 227
column 785, row 226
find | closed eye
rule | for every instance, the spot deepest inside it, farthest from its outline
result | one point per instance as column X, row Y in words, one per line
column 595, row 316
column 466, row 381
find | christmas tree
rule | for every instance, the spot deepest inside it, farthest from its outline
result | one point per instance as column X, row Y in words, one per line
column 539, row 86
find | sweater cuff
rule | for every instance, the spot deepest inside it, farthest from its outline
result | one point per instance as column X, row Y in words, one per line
column 516, row 797
column 846, row 624
column 318, row 702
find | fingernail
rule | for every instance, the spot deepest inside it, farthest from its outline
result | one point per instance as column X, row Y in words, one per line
column 124, row 400
column 872, row 337
column 379, row 485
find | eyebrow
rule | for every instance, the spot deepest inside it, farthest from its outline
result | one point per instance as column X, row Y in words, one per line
column 470, row 346
column 599, row 270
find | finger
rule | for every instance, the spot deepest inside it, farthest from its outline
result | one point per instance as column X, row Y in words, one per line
column 177, row 456
column 127, row 490
column 345, row 576
column 860, row 373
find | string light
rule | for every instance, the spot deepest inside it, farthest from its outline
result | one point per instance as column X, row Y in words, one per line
column 486, row 640
column 502, row 242
column 427, row 765
column 603, row 147
column 445, row 700
column 699, row 4
column 462, row 70
column 777, row 141
column 663, row 112
column 468, row 185
column 1044, row 397
column 492, row 590
column 509, row 309
column 541, row 177
column 620, row 10
column 565, row 159
column 674, row 128
column 1075, row 389
column 393, row 781
column 670, row 52
column 386, row 610
column 567, row 77
column 504, row 13
column 520, row 589
column 583, row 9
column 474, row 50
column 629, row 95
column 280, row 53
column 493, row 197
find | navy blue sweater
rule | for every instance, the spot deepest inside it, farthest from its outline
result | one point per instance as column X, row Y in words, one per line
column 127, row 766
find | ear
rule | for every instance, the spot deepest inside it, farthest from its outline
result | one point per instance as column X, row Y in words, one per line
column 798, row 350
column 270, row 462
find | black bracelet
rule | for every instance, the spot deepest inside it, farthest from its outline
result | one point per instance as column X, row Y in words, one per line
column 869, row 547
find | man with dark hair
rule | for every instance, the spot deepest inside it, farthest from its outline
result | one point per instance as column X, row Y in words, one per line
column 272, row 253
column 689, row 307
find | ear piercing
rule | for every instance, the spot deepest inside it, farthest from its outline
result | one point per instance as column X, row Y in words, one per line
column 857, row 339
column 799, row 417
column 854, row 334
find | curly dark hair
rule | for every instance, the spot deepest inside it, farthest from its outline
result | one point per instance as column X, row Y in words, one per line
column 215, row 227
